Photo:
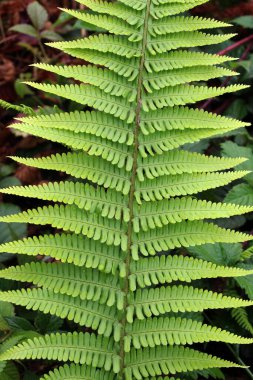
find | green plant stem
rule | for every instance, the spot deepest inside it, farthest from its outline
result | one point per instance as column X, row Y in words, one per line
column 239, row 360
column 43, row 50
column 133, row 179
column 2, row 28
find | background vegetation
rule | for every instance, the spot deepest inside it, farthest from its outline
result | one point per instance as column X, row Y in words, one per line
column 24, row 27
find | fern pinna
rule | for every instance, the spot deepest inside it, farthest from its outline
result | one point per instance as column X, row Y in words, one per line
column 115, row 274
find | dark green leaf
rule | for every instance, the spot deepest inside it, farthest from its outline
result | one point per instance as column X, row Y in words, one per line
column 25, row 29
column 38, row 14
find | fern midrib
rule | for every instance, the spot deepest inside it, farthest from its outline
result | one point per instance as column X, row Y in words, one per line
column 133, row 180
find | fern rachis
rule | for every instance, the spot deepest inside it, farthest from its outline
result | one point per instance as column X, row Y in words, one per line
column 139, row 202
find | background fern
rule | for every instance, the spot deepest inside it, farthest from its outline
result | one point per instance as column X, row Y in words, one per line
column 140, row 201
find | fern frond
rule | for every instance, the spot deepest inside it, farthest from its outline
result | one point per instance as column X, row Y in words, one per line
column 179, row 24
column 157, row 214
column 241, row 316
column 106, row 80
column 169, row 360
column 71, row 218
column 164, row 141
column 93, row 123
column 182, row 59
column 182, row 94
column 192, row 2
column 181, row 161
column 138, row 81
column 19, row 108
column 85, row 313
column 77, row 372
column 167, row 9
column 71, row 280
column 118, row 45
column 91, row 96
column 162, row 44
column 80, row 165
column 129, row 15
column 138, row 5
column 165, row 331
column 156, row 81
column 184, row 234
column 166, row 269
column 183, row 118
column 117, row 154
column 185, row 184
column 77, row 347
column 109, row 23
column 116, row 63
column 156, row 301
column 108, row 203
column 70, row 249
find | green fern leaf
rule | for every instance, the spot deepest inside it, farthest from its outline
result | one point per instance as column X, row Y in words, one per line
column 71, row 218
column 109, row 23
column 162, row 44
column 182, row 59
column 71, row 280
column 76, row 347
column 183, row 118
column 23, row 108
column 169, row 140
column 180, row 161
column 80, row 165
column 133, row 206
column 85, row 313
column 241, row 317
column 166, row 269
column 183, row 234
column 117, row 154
column 106, row 80
column 181, row 95
column 114, row 9
column 148, row 302
column 77, row 372
column 108, row 203
column 176, row 331
column 157, row 81
column 158, row 214
column 70, row 249
column 91, row 96
column 118, row 45
column 165, row 10
column 186, row 184
column 177, row 24
column 169, row 360
column 94, row 123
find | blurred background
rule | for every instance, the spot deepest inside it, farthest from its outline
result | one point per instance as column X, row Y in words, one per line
column 25, row 27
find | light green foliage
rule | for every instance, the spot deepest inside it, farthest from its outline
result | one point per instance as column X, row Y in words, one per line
column 113, row 270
